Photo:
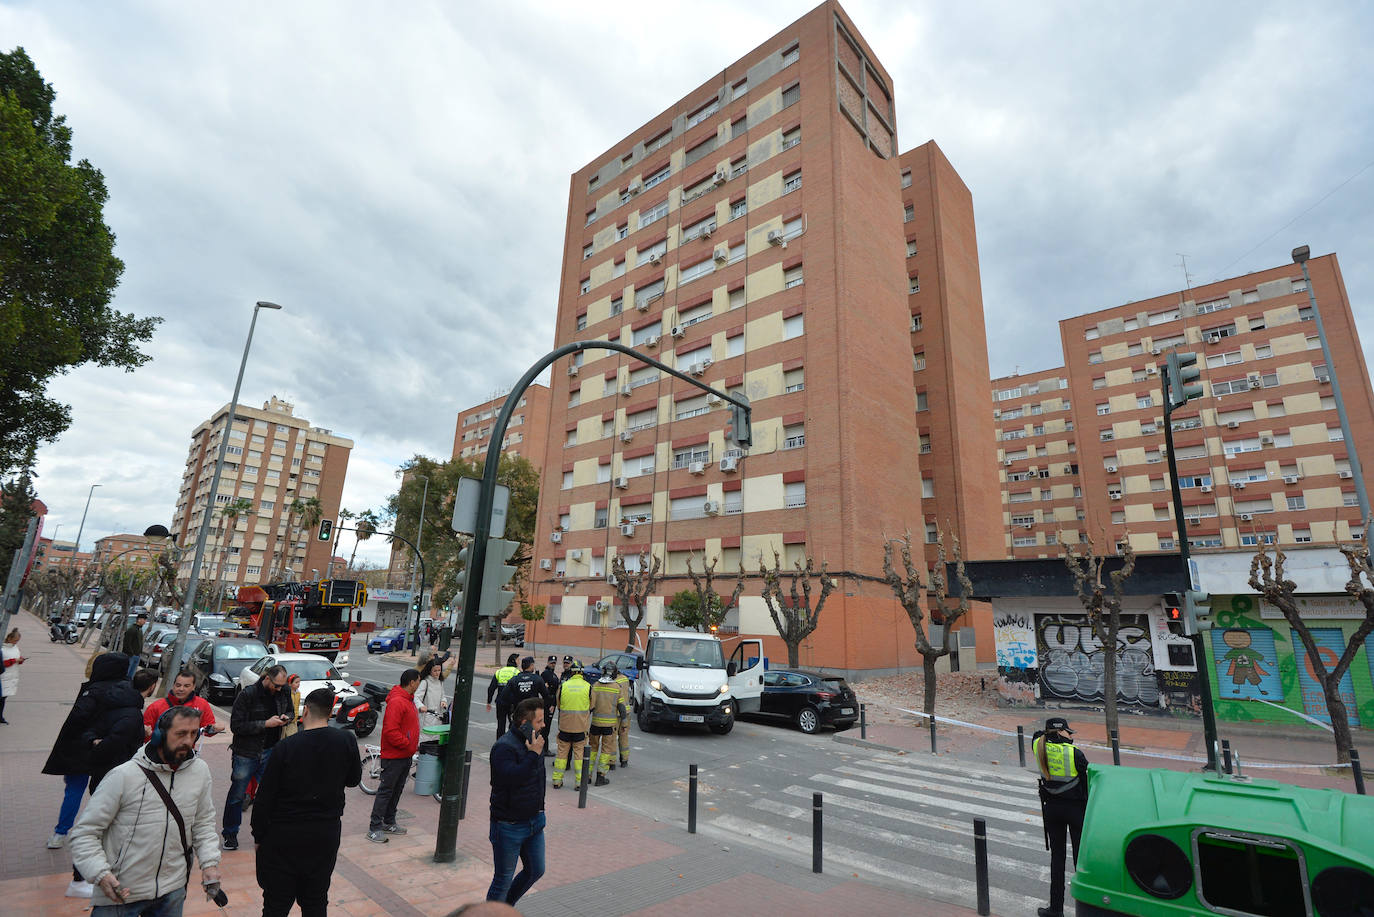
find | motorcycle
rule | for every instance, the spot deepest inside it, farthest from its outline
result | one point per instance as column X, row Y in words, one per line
column 59, row 632
column 361, row 712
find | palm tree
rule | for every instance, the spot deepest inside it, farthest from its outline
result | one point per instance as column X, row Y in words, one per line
column 303, row 515
column 366, row 528
column 229, row 515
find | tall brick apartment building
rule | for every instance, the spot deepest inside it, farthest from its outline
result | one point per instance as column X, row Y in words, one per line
column 764, row 234
column 527, row 434
column 1260, row 457
column 273, row 458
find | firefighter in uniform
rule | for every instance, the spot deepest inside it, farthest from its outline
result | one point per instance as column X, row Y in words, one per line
column 622, row 681
column 498, row 681
column 574, row 719
column 1063, row 800
column 607, row 711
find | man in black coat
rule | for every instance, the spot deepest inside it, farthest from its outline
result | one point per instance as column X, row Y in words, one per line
column 551, row 685
column 259, row 713
column 517, row 804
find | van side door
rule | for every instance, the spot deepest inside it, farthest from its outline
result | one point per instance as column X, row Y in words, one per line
column 745, row 675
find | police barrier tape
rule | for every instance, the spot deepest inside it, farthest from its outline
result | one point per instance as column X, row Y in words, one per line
column 1271, row 765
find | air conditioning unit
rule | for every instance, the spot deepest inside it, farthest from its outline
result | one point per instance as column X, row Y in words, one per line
column 622, row 482
column 575, row 554
column 1206, row 488
column 1213, row 339
column 652, row 341
column 705, row 233
column 712, row 508
column 611, row 580
column 1255, row 383
column 722, row 254
column 642, row 305
column 713, row 399
column 1233, row 424
column 1238, row 485
column 555, row 536
column 697, row 468
column 996, row 415
column 1151, row 371
column 1156, row 350
column 572, row 369
column 1028, row 525
column 1343, row 475
column 655, row 260
column 697, row 369
column 1116, row 496
column 1291, row 479
column 1193, row 520
column 625, row 391
column 626, row 436
column 627, row 529
column 677, row 331
column 721, row 177
column 546, row 564
column 730, row 463
column 706, row 363
column 636, row 186
column 1111, row 469
column 601, row 607
column 1246, row 517
column 1266, row 440
column 1009, row 462
column 775, row 237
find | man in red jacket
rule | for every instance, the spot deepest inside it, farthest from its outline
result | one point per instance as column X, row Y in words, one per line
column 183, row 688
column 400, row 739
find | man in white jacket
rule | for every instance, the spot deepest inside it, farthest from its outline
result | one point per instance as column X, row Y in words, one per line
column 129, row 843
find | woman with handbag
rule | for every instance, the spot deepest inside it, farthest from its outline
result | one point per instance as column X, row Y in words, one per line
column 430, row 702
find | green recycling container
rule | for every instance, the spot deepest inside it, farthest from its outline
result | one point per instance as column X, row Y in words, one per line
column 434, row 734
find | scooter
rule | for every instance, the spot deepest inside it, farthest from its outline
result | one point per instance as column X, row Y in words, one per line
column 62, row 633
column 360, row 712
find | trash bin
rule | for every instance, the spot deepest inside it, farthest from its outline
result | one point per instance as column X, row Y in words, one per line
column 434, row 734
column 429, row 770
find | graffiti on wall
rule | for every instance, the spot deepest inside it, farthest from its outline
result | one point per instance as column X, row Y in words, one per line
column 1014, row 636
column 1072, row 660
column 1330, row 644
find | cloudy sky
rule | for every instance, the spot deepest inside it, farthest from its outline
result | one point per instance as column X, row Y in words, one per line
column 396, row 175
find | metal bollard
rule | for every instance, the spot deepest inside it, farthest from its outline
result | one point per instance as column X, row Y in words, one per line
column 980, row 860
column 1021, row 744
column 1226, row 755
column 933, row 749
column 816, row 832
column 1236, row 755
column 467, row 775
column 586, row 777
column 1116, row 749
column 863, row 721
column 1357, row 771
column 691, row 799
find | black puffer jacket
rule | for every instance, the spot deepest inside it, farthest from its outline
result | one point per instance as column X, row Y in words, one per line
column 517, row 779
column 107, row 708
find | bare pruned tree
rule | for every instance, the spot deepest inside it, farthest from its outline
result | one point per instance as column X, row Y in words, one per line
column 714, row 606
column 909, row 590
column 1268, row 578
column 1103, row 605
column 793, row 615
column 633, row 588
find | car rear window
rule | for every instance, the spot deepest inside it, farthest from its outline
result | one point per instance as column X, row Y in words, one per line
column 838, row 685
column 240, row 651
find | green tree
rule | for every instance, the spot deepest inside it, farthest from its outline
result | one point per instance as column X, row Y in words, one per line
column 686, row 609
column 303, row 515
column 16, row 509
column 58, row 271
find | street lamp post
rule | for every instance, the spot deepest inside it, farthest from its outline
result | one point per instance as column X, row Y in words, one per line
column 1300, row 256
column 419, row 534
column 190, row 604
column 81, row 528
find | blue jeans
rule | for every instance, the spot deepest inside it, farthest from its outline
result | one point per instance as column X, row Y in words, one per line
column 169, row 905
column 245, row 769
column 71, row 802
column 511, row 841
column 133, row 667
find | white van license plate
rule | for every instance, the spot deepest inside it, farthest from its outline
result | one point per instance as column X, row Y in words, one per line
column 691, row 718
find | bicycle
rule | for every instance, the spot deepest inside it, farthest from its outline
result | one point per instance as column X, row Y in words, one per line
column 372, row 770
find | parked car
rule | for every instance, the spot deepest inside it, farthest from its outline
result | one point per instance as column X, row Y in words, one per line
column 155, row 639
column 809, row 700
column 315, row 672
column 166, row 615
column 216, row 662
column 386, row 641
column 85, row 614
column 630, row 664
column 514, row 634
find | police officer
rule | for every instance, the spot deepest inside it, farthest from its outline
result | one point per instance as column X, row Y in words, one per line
column 574, row 719
column 1063, row 800
column 622, row 681
column 551, row 683
column 524, row 685
column 498, row 681
column 607, row 711
column 567, row 668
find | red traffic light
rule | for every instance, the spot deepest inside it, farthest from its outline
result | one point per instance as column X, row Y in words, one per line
column 1174, row 612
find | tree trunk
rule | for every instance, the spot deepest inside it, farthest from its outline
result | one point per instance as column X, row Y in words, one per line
column 1340, row 721
column 1109, row 683
column 928, row 666
column 634, row 629
column 793, row 653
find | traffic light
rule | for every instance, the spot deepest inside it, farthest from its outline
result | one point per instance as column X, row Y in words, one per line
column 1174, row 612
column 461, row 578
column 326, row 529
column 415, row 603
column 741, row 432
column 496, row 576
column 1183, row 378
column 1197, row 612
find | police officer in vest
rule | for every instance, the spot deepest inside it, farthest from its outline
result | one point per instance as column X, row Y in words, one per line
column 1063, row 800
column 498, row 681
column 574, row 721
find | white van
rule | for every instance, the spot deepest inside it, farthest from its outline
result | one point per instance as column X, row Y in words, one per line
column 686, row 680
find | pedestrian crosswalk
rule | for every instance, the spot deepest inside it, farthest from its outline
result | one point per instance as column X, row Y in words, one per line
column 910, row 820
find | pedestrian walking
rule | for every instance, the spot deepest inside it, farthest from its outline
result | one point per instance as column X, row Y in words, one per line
column 517, row 804
column 182, row 694
column 9, row 674
column 70, row 757
column 1063, row 800
column 574, row 719
column 430, row 702
column 498, row 681
column 622, row 729
column 256, row 719
column 551, row 685
column 146, row 821
column 299, row 808
column 400, row 739
column 607, row 710
column 133, row 642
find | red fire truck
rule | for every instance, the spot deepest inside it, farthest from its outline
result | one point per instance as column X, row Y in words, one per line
column 310, row 617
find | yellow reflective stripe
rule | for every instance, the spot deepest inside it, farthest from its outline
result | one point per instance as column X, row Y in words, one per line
column 505, row 674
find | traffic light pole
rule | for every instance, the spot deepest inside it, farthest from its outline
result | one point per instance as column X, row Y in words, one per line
column 1204, row 669
column 446, row 842
column 418, row 556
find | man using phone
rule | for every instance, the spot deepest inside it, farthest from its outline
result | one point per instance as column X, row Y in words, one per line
column 517, row 803
column 259, row 713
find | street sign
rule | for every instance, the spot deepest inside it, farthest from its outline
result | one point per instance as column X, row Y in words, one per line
column 465, row 508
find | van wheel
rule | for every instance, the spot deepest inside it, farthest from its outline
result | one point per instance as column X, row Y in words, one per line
column 642, row 717
column 808, row 720
column 723, row 729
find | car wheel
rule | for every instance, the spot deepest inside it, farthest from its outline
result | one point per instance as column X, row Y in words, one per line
column 645, row 723
column 808, row 720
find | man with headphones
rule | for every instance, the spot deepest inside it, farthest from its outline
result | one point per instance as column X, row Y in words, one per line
column 182, row 694
column 147, row 821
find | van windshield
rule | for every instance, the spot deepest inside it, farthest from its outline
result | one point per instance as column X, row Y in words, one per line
column 688, row 654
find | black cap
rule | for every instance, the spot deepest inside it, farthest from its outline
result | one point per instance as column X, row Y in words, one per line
column 553, row 658
column 567, row 660
column 1057, row 724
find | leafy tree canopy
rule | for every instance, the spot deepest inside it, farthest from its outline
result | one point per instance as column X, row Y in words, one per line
column 58, row 270
column 685, row 610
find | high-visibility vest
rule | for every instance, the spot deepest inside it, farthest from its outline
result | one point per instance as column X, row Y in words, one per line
column 506, row 673
column 606, row 709
column 1060, row 762
column 575, row 696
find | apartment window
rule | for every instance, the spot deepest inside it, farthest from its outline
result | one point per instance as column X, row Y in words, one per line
column 1296, row 503
column 259, row 440
column 916, row 322
column 653, row 214
column 638, row 466
column 582, row 322
column 922, row 401
column 737, row 127
column 693, row 315
column 572, row 438
column 906, row 178
column 691, row 407
column 254, row 569
column 734, row 502
column 233, row 450
column 908, row 213
column 794, row 436
column 1095, row 357
column 266, row 507
column 618, row 305
column 1350, row 498
column 1264, row 352
column 925, row 444
column 1144, row 401
column 1321, row 373
column 700, row 269
column 791, row 56
column 791, row 182
column 567, row 480
column 622, row 231
column 791, row 138
column 1103, row 410
column 791, row 95
column 603, row 473
column 792, row 277
column 918, row 361
column 702, row 113
column 1106, row 436
column 658, row 177
column 687, row 455
column 793, row 380
column 655, row 251
column 792, row 327
column 739, row 166
column 794, row 494
column 699, row 228
column 586, row 251
column 738, row 208
column 928, row 488
column 734, row 347
column 1219, row 331
column 913, row 284
column 1223, row 359
column 575, row 398
column 647, row 294
column 1302, row 536
column 700, row 150
column 658, row 142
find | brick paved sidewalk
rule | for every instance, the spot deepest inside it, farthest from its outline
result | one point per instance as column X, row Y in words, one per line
column 652, row 868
